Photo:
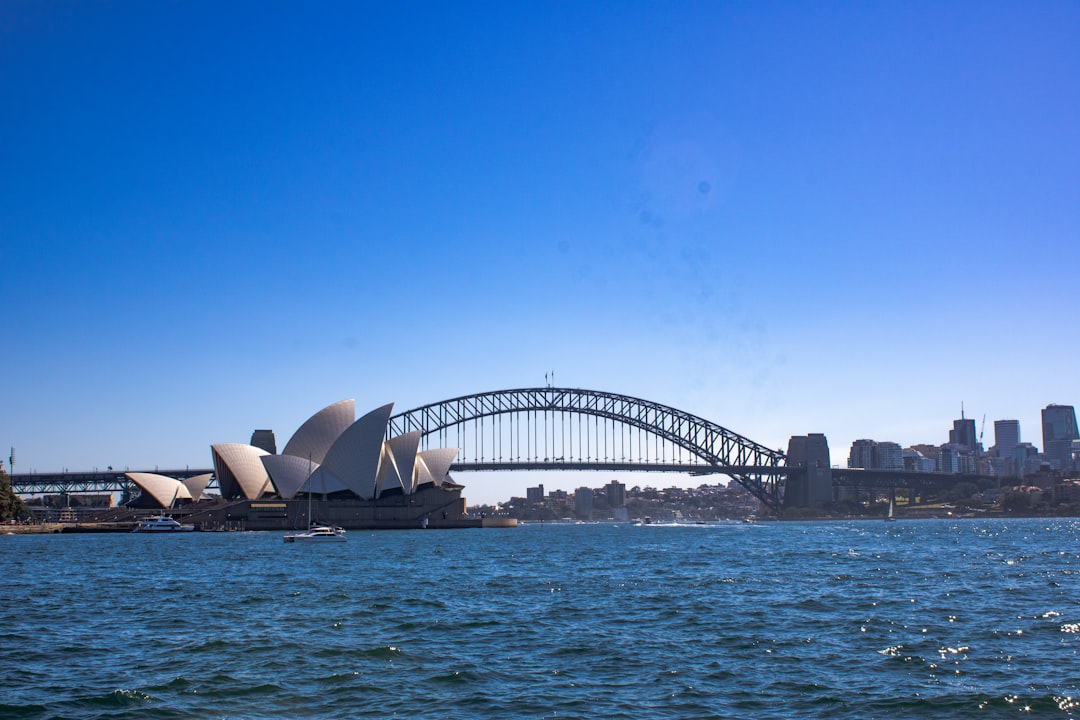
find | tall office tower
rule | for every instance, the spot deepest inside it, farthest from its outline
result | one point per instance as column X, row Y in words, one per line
column 264, row 440
column 1059, row 431
column 1006, row 436
column 963, row 433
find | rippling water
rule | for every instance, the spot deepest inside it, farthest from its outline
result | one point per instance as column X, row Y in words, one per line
column 855, row 620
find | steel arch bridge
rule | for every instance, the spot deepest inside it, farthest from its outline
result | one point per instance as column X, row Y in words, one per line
column 552, row 428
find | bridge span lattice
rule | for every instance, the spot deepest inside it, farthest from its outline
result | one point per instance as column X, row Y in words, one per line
column 550, row 428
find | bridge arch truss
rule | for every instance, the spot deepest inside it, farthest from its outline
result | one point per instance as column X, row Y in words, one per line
column 572, row 429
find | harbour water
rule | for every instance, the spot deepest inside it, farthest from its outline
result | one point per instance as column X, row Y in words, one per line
column 949, row 619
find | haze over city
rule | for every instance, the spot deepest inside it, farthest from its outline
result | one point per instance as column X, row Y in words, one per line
column 784, row 218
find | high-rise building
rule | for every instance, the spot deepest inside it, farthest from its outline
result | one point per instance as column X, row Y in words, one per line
column 861, row 455
column 535, row 494
column 963, row 433
column 889, row 456
column 1059, row 431
column 615, row 493
column 948, row 459
column 873, row 455
column 1006, row 436
column 583, row 503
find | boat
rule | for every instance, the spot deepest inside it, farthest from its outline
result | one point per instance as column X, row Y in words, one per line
column 891, row 517
column 318, row 533
column 161, row 524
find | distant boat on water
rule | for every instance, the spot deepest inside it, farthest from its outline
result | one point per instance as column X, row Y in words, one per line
column 891, row 516
column 161, row 524
column 320, row 533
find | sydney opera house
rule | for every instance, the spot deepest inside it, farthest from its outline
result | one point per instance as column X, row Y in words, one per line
column 346, row 470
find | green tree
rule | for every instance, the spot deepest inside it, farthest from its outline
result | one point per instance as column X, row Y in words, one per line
column 11, row 505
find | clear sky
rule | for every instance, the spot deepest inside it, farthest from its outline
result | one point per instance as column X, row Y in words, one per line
column 786, row 217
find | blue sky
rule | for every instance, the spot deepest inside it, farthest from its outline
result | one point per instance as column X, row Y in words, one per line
column 785, row 217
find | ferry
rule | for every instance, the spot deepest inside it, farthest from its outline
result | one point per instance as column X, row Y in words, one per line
column 161, row 524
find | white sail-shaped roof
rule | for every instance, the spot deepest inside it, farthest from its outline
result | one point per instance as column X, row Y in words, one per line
column 240, row 470
column 436, row 463
column 315, row 437
column 165, row 490
column 421, row 474
column 196, row 485
column 288, row 473
column 353, row 460
column 399, row 473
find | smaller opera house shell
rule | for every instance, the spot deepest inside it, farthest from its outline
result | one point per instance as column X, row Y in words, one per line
column 346, row 470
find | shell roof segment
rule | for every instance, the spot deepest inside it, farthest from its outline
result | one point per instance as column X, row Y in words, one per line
column 436, row 462
column 353, row 460
column 239, row 470
column 319, row 432
column 399, row 472
column 165, row 490
column 288, row 473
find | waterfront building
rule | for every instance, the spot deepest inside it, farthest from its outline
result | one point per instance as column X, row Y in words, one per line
column 1059, row 431
column 535, row 494
column 330, row 454
column 583, row 503
column 615, row 494
column 1006, row 437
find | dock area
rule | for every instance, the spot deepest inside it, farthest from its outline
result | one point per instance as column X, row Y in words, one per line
column 56, row 527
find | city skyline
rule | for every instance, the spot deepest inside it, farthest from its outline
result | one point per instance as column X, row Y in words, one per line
column 767, row 215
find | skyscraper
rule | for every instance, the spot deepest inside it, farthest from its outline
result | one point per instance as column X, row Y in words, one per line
column 1059, row 431
column 1006, row 436
column 963, row 433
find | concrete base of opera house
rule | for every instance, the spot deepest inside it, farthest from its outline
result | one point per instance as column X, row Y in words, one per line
column 431, row 508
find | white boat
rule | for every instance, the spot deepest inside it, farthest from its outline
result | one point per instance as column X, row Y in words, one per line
column 891, row 517
column 318, row 533
column 161, row 524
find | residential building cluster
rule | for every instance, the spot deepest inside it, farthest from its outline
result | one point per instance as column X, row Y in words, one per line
column 614, row 501
column 964, row 452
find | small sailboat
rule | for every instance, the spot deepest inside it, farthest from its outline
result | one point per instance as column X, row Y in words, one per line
column 316, row 533
column 891, row 517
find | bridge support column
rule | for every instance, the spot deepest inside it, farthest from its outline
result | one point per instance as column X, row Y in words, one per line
column 812, row 488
